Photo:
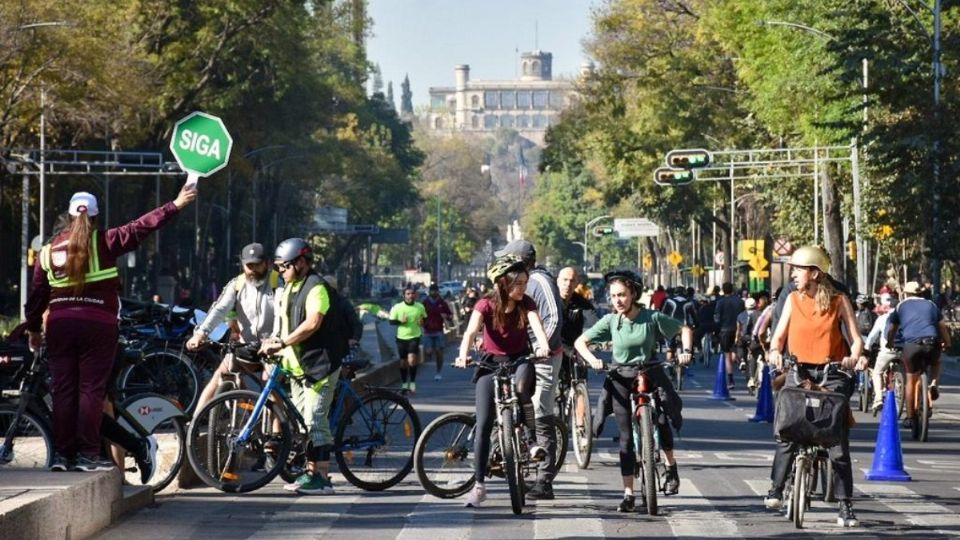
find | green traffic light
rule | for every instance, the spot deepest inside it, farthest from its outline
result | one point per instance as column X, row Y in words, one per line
column 689, row 159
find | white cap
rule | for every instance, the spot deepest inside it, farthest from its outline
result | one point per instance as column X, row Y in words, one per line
column 83, row 202
column 750, row 303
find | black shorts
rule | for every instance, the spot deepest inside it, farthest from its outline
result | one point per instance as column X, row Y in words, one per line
column 407, row 347
column 917, row 356
column 728, row 340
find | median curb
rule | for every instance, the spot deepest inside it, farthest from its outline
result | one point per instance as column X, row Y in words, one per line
column 36, row 503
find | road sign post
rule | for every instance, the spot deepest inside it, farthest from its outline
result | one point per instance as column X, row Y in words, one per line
column 201, row 145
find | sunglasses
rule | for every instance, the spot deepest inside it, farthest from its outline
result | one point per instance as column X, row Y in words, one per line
column 280, row 267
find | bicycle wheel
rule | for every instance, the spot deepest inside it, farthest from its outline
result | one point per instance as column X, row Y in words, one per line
column 864, row 391
column 788, row 500
column 829, row 483
column 230, row 466
column 375, row 440
column 581, row 425
column 170, row 437
column 899, row 384
column 27, row 441
column 511, row 466
column 647, row 468
column 165, row 372
column 800, row 493
column 443, row 457
column 563, row 444
column 678, row 375
column 923, row 408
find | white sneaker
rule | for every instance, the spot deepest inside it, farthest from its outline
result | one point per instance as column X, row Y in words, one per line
column 476, row 496
column 438, row 377
column 538, row 453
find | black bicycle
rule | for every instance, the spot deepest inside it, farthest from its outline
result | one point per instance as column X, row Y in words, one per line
column 26, row 414
column 443, row 457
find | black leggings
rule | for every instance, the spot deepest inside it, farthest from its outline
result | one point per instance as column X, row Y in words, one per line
column 619, row 385
column 525, row 381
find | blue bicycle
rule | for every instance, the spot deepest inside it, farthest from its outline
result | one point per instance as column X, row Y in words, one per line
column 242, row 440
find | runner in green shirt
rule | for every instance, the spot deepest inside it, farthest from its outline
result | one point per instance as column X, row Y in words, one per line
column 408, row 317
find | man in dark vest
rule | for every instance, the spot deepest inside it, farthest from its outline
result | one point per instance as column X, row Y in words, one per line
column 311, row 337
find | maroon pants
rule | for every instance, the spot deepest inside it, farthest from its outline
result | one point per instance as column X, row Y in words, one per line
column 81, row 355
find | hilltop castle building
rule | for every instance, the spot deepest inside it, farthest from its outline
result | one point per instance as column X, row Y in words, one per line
column 528, row 105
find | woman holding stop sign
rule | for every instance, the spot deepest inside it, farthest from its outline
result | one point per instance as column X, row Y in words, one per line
column 76, row 278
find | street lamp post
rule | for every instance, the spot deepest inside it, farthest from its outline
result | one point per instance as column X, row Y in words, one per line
column 586, row 229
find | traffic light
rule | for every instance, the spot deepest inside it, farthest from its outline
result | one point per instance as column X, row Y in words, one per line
column 689, row 159
column 603, row 231
column 672, row 177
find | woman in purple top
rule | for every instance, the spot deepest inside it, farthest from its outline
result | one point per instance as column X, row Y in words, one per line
column 504, row 316
column 76, row 282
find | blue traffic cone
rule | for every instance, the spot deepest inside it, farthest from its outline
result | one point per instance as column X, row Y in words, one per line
column 764, row 398
column 888, row 456
column 720, row 390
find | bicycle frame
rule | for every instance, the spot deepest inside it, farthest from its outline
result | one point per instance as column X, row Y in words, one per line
column 344, row 391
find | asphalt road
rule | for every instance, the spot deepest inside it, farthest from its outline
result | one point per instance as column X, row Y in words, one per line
column 724, row 466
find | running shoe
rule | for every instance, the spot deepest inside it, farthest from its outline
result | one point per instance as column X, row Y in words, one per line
column 476, row 496
column 317, row 485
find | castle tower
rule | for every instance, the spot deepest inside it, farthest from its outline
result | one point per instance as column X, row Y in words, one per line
column 536, row 66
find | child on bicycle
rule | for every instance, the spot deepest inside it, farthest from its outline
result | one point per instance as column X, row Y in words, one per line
column 504, row 315
column 633, row 331
column 810, row 326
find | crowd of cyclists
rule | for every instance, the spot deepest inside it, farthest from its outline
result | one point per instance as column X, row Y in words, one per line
column 287, row 310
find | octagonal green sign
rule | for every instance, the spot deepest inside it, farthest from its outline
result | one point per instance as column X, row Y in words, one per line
column 201, row 145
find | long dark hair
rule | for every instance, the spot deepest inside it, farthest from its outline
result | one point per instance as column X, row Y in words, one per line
column 78, row 250
column 500, row 298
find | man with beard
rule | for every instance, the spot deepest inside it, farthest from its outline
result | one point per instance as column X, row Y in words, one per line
column 248, row 298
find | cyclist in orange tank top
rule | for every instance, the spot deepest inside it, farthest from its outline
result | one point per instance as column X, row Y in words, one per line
column 811, row 320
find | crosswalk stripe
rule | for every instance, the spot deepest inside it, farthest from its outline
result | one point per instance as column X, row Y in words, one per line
column 913, row 507
column 554, row 518
column 307, row 517
column 693, row 516
column 438, row 518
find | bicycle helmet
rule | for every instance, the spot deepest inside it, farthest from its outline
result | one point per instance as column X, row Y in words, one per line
column 627, row 275
column 862, row 300
column 290, row 249
column 503, row 265
column 813, row 256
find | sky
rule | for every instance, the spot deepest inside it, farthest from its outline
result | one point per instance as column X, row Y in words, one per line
column 427, row 38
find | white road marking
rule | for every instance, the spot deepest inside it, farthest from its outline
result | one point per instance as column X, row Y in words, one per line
column 693, row 516
column 913, row 507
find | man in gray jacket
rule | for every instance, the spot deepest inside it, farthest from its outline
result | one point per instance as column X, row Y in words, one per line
column 248, row 299
column 542, row 287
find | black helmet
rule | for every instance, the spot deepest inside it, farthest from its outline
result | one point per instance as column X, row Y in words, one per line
column 290, row 249
column 627, row 275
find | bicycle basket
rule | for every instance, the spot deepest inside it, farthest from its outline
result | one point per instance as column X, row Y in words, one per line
column 811, row 417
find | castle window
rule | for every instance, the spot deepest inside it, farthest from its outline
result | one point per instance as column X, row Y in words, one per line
column 475, row 101
column 491, row 100
column 475, row 122
column 438, row 123
column 523, row 99
column 506, row 121
column 490, row 121
column 523, row 121
column 508, row 100
column 540, row 99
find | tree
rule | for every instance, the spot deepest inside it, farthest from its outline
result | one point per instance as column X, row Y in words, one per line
column 377, row 78
column 406, row 97
column 389, row 96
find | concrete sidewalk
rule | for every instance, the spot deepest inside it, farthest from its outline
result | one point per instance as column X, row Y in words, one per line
column 44, row 505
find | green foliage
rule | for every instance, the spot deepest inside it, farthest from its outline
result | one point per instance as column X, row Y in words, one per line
column 288, row 78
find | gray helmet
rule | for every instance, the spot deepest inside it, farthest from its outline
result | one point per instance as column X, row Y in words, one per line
column 291, row 248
